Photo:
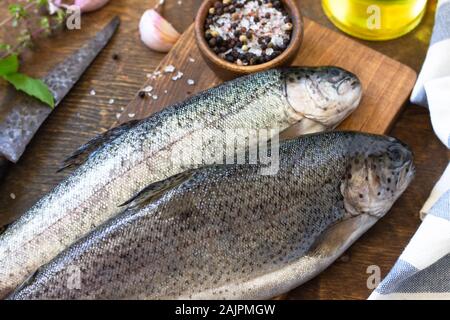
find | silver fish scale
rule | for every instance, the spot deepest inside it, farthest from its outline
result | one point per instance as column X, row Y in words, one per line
column 226, row 225
column 138, row 157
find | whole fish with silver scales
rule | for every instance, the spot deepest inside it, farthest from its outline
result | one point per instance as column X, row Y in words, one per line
column 230, row 232
column 116, row 165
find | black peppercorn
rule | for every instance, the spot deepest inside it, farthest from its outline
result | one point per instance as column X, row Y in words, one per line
column 229, row 58
column 141, row 94
column 115, row 56
column 212, row 42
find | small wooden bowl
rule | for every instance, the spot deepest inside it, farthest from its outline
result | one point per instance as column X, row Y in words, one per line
column 227, row 70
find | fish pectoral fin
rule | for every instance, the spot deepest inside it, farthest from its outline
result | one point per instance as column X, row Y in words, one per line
column 85, row 151
column 339, row 237
column 303, row 127
column 157, row 189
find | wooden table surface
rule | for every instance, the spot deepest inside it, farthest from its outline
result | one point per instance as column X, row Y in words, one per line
column 81, row 115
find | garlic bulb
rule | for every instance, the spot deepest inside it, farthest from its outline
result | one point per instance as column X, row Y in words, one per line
column 84, row 5
column 156, row 32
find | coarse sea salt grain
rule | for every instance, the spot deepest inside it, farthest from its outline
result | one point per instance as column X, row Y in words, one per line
column 92, row 93
column 169, row 69
column 255, row 51
column 117, row 115
column 191, row 59
column 147, row 89
column 179, row 75
column 111, row 101
column 190, row 82
column 12, row 195
column 155, row 97
column 131, row 115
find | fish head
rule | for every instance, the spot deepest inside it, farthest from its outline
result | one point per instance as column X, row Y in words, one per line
column 376, row 177
column 325, row 95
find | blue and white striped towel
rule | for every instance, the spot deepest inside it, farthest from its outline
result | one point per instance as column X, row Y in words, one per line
column 423, row 269
column 433, row 84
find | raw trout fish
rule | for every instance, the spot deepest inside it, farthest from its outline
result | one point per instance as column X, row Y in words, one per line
column 229, row 232
column 116, row 165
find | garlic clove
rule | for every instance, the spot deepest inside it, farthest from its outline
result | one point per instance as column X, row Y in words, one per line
column 90, row 5
column 156, row 32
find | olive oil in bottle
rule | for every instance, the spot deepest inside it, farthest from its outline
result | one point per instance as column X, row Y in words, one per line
column 375, row 19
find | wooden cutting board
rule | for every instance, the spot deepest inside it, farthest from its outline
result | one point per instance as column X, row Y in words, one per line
column 387, row 83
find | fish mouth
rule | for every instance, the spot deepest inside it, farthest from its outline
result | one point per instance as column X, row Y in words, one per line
column 407, row 174
column 353, row 81
column 402, row 159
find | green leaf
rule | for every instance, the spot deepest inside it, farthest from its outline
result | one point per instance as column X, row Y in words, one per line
column 42, row 3
column 5, row 46
column 32, row 87
column 9, row 64
column 17, row 10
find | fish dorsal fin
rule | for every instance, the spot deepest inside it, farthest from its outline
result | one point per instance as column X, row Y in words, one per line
column 85, row 151
column 157, row 189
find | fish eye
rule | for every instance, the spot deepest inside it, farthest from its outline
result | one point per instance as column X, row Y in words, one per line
column 396, row 155
column 334, row 72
